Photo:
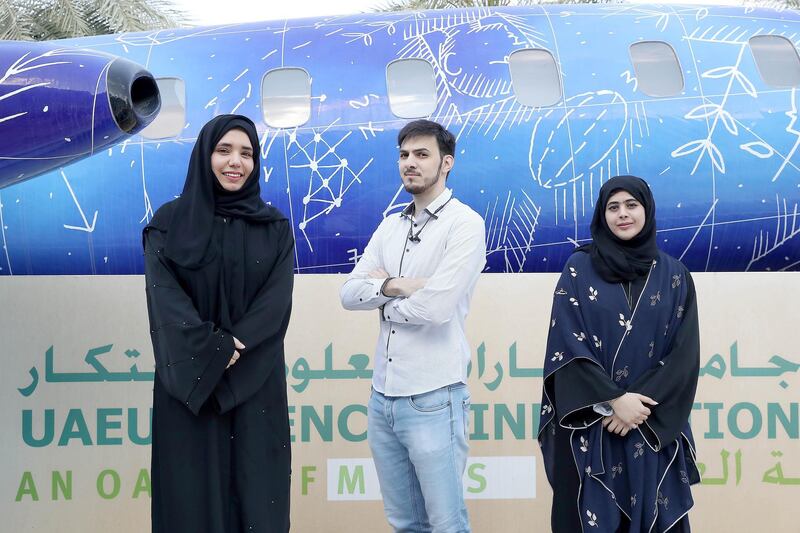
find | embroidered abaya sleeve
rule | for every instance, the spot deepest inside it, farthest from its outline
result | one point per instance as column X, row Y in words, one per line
column 674, row 383
column 191, row 354
column 574, row 379
column 261, row 329
column 578, row 387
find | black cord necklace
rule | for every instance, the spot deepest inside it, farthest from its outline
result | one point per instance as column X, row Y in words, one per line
column 415, row 237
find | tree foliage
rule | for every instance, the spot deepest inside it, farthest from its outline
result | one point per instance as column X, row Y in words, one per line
column 41, row 20
column 414, row 5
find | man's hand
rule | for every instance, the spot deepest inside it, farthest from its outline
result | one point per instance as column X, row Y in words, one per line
column 630, row 408
column 379, row 274
column 235, row 357
column 404, row 287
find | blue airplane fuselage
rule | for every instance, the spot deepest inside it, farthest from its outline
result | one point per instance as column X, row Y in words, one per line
column 720, row 155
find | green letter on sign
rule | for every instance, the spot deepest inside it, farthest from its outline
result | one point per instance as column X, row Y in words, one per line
column 58, row 483
column 75, row 428
column 306, row 478
column 27, row 486
column 733, row 420
column 473, row 474
column 345, row 479
column 27, row 428
column 114, row 484
column 344, row 429
column 142, row 483
column 105, row 423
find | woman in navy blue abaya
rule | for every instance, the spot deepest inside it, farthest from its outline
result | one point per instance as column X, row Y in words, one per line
column 620, row 374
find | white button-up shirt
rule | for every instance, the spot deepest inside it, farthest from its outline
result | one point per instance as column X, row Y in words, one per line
column 422, row 345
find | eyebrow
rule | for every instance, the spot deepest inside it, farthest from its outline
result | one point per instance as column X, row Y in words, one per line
column 415, row 150
column 229, row 145
column 617, row 202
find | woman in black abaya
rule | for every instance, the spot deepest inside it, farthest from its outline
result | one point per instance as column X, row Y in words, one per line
column 219, row 268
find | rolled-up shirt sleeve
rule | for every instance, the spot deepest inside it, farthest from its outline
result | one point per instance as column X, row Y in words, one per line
column 457, row 273
column 361, row 292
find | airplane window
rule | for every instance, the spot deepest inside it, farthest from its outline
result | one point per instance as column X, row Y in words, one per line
column 535, row 77
column 172, row 117
column 286, row 97
column 777, row 60
column 411, row 87
column 658, row 71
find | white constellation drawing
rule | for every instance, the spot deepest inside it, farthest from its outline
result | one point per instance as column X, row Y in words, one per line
column 330, row 175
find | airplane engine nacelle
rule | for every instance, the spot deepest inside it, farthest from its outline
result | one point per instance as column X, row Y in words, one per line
column 60, row 104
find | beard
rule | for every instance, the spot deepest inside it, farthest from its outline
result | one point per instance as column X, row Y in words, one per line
column 427, row 183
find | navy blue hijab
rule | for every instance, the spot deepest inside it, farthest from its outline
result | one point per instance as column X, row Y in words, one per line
column 614, row 259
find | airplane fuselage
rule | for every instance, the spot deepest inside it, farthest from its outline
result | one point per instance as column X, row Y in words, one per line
column 719, row 149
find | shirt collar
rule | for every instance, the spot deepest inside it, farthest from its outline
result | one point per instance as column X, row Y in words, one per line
column 445, row 196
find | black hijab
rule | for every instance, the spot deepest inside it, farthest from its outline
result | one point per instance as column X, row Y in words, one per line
column 614, row 259
column 203, row 197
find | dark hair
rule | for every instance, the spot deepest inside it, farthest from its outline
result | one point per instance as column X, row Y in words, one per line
column 425, row 128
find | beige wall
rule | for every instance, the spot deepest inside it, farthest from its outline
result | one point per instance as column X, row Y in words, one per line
column 758, row 312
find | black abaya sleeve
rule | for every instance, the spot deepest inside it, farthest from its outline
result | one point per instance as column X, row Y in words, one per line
column 261, row 330
column 578, row 386
column 191, row 354
column 674, row 383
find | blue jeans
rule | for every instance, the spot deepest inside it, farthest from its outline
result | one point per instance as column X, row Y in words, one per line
column 419, row 445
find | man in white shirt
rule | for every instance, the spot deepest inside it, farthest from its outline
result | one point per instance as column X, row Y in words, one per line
column 419, row 270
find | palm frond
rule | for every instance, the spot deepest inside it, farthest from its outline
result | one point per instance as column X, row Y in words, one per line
column 410, row 5
column 416, row 5
column 17, row 20
column 773, row 4
column 59, row 19
column 63, row 18
column 133, row 15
